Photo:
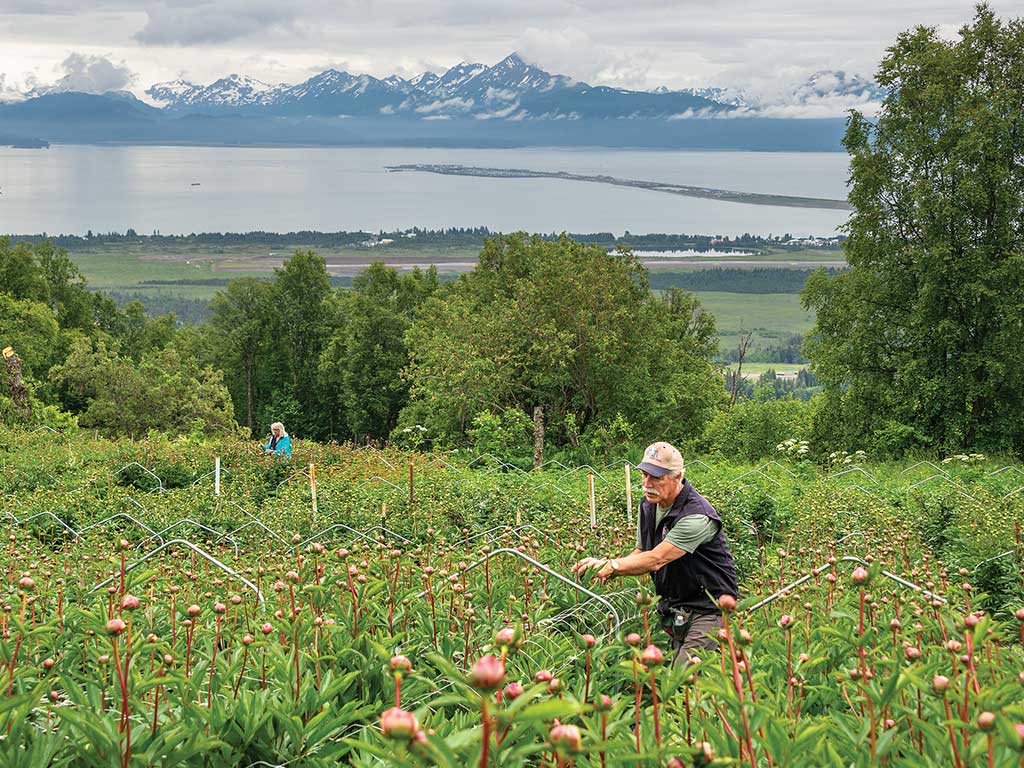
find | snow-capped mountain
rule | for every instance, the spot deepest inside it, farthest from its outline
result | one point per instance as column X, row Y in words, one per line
column 512, row 88
column 734, row 97
column 837, row 84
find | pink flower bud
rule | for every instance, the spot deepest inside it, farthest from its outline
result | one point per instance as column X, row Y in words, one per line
column 116, row 627
column 986, row 721
column 396, row 723
column 727, row 603
column 633, row 639
column 130, row 603
column 860, row 575
column 940, row 683
column 488, row 673
column 513, row 691
column 400, row 664
column 652, row 655
column 566, row 738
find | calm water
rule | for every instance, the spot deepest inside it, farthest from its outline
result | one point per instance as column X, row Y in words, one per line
column 71, row 189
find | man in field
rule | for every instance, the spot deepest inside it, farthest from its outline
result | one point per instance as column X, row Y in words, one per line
column 679, row 541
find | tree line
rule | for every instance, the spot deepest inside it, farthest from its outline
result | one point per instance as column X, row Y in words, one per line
column 415, row 237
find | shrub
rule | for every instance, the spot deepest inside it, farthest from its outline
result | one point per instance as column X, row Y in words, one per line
column 752, row 430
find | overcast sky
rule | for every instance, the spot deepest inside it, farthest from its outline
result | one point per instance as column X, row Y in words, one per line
column 759, row 45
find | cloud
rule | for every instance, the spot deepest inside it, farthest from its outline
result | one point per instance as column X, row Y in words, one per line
column 199, row 22
column 10, row 92
column 446, row 105
column 572, row 51
column 86, row 73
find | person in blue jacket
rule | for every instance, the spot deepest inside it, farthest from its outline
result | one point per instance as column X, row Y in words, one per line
column 279, row 444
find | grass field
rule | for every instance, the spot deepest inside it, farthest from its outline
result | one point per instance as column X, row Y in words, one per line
column 126, row 268
column 761, row 312
column 756, row 369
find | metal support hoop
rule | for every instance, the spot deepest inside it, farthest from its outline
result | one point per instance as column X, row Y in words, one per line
column 202, row 553
column 126, row 516
column 60, row 522
column 190, row 521
column 160, row 483
column 565, row 580
column 846, row 559
column 334, row 527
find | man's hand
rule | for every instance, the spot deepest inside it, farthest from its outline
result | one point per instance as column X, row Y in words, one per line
column 603, row 566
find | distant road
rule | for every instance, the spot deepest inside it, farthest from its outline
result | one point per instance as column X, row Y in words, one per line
column 351, row 266
column 725, row 195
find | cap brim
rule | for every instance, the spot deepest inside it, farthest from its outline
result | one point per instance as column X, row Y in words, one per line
column 652, row 469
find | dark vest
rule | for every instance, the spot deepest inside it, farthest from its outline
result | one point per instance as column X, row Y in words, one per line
column 686, row 582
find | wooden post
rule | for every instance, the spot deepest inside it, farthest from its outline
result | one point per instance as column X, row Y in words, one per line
column 538, row 436
column 312, row 488
column 593, row 501
column 629, row 495
column 412, row 496
column 216, row 476
column 383, row 514
column 519, row 516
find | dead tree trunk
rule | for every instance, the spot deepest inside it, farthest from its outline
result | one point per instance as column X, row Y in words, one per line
column 744, row 343
column 538, row 436
column 19, row 394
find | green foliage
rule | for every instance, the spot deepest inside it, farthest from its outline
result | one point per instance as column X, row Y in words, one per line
column 753, row 430
column 918, row 342
column 164, row 391
column 301, row 326
column 241, row 318
column 507, row 435
column 361, row 366
column 565, row 326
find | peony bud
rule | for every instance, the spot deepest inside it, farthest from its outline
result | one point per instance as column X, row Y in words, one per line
column 396, row 723
column 513, row 690
column 488, row 673
column 116, row 627
column 566, row 738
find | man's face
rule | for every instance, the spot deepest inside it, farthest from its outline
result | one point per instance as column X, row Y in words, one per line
column 659, row 490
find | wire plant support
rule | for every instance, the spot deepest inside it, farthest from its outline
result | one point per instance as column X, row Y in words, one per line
column 199, row 551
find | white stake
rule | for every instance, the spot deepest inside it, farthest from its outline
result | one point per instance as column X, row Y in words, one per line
column 593, row 502
column 629, row 495
column 312, row 487
column 216, row 476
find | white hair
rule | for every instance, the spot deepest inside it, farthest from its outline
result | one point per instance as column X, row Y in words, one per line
column 279, row 425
